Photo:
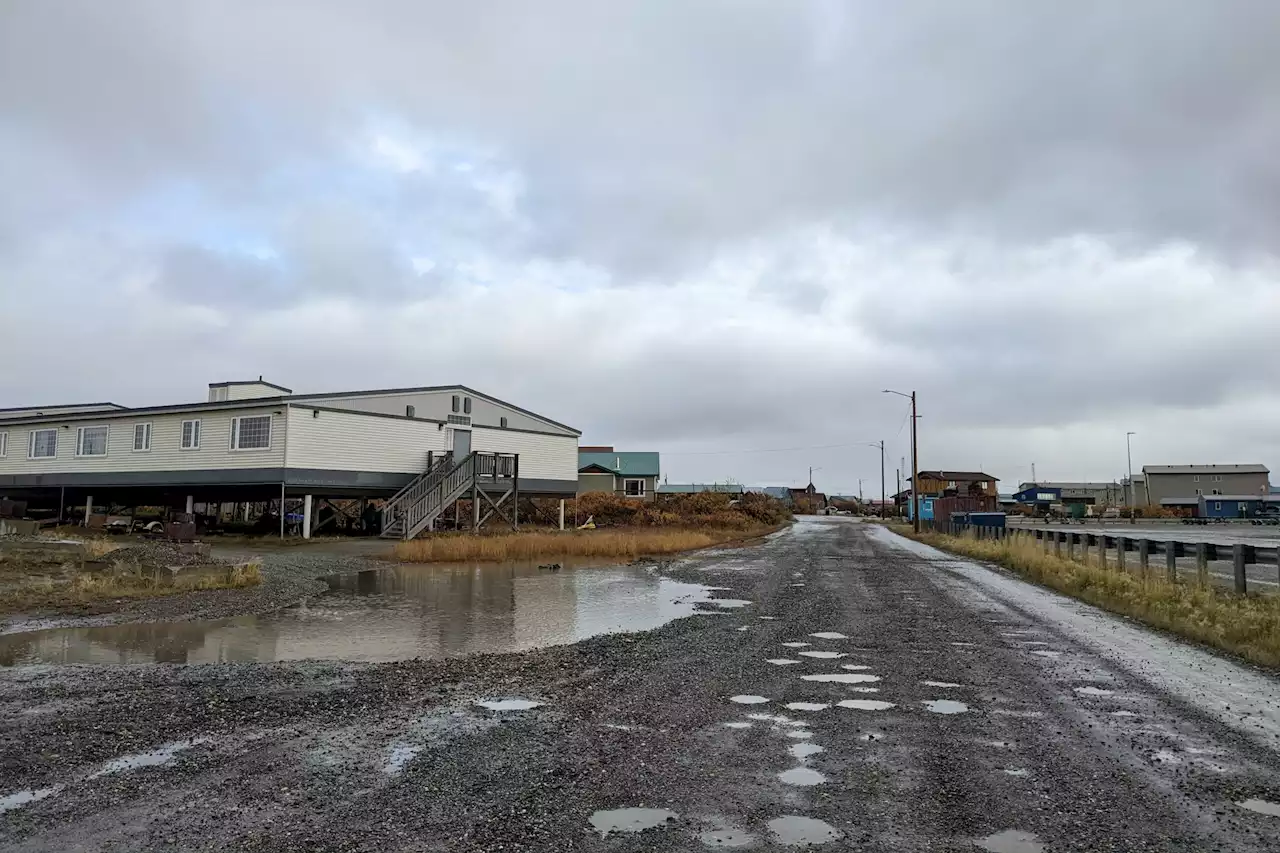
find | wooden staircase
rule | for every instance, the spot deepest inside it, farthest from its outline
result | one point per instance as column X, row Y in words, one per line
column 416, row 507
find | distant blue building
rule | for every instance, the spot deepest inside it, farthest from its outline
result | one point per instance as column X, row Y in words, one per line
column 926, row 509
column 1237, row 506
column 1039, row 496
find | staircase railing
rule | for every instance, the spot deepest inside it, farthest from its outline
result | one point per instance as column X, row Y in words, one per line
column 417, row 505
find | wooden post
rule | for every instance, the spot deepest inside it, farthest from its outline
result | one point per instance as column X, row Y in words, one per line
column 1171, row 561
column 306, row 516
column 1071, row 545
column 1057, row 543
column 88, row 509
column 1238, row 554
column 1122, row 545
column 1202, row 563
column 562, row 513
column 1144, row 557
column 1102, row 550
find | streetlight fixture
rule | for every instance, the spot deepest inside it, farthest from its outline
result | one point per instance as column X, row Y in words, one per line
column 1128, row 447
column 915, row 460
column 883, row 496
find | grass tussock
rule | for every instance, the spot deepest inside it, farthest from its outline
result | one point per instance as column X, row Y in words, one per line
column 88, row 591
column 1248, row 626
column 464, row 547
column 95, row 549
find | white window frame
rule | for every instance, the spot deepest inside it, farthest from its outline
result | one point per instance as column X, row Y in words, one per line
column 106, row 444
column 235, row 434
column 1199, row 491
column 195, row 434
column 4, row 444
column 1217, row 478
column 1217, row 505
column 146, row 431
column 31, row 443
column 626, row 493
column 1195, row 478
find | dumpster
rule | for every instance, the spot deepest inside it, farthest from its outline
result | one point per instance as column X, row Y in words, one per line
column 987, row 519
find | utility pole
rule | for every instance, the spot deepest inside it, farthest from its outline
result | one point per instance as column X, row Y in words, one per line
column 915, row 460
column 859, row 490
column 882, row 494
column 1128, row 447
column 1033, row 474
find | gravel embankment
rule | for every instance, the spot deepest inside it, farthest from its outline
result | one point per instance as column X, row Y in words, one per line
column 1054, row 744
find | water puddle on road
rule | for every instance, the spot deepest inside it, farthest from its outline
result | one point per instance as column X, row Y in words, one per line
column 798, row 830
column 509, row 704
column 801, row 751
column 630, row 820
column 399, row 757
column 748, row 700
column 823, row 655
column 1012, row 841
column 865, row 704
column 9, row 802
column 737, row 724
column 1261, row 806
column 397, row 613
column 782, row 661
column 829, row 635
column 842, row 677
column 796, row 645
column 946, row 684
column 945, row 706
column 154, row 758
column 1094, row 691
column 801, row 777
column 807, row 706
column 726, row 836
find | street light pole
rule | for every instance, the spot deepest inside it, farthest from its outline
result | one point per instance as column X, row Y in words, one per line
column 883, row 494
column 1129, row 495
column 915, row 460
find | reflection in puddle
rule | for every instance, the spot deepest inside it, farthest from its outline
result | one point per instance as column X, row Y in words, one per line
column 748, row 700
column 1094, row 691
column 630, row 820
column 829, row 635
column 945, row 706
column 727, row 603
column 865, row 704
column 509, row 704
column 801, row 751
column 796, row 829
column 807, row 706
column 803, row 777
column 1011, row 841
column 781, row 661
column 1261, row 807
column 843, row 677
column 156, row 757
column 400, row 756
column 396, row 613
column 823, row 655
column 939, row 684
column 9, row 802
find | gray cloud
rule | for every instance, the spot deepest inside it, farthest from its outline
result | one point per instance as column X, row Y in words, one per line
column 700, row 224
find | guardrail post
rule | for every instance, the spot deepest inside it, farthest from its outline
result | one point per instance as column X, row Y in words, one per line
column 1057, row 543
column 1238, row 554
column 1122, row 545
column 1071, row 545
column 1202, row 563
column 1102, row 550
column 1144, row 557
column 1171, row 560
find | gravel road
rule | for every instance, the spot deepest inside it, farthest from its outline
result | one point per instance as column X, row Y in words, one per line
column 876, row 695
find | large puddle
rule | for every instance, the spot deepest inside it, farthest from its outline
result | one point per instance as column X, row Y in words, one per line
column 396, row 613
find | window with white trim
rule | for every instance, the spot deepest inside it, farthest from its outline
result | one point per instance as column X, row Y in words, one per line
column 141, row 437
column 4, row 444
column 466, row 405
column 1217, row 504
column 456, row 402
column 1199, row 491
column 43, row 444
column 92, row 441
column 1195, row 478
column 633, row 488
column 1217, row 478
column 251, row 433
column 190, row 435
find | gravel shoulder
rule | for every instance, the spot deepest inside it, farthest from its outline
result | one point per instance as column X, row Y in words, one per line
column 1057, row 743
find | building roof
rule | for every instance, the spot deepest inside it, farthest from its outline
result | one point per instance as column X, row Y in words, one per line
column 781, row 492
column 1093, row 487
column 956, row 475
column 1247, row 468
column 1267, row 498
column 698, row 488
column 624, row 463
column 258, row 381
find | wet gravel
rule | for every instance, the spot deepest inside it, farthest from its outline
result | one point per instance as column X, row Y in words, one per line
column 399, row 756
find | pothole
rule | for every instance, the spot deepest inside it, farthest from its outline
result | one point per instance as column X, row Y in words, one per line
column 801, row 751
column 798, row 830
column 630, row 820
column 1261, row 806
column 802, row 777
column 17, row 800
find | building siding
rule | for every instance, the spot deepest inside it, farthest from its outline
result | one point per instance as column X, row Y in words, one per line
column 439, row 405
column 349, row 441
column 166, row 453
column 588, row 483
column 542, row 457
column 1160, row 486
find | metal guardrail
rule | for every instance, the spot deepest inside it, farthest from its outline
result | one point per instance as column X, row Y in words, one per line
column 1240, row 555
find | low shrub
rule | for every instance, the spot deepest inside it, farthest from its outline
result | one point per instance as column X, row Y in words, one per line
column 501, row 547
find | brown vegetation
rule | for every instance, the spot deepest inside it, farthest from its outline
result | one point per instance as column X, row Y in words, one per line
column 539, row 544
column 1248, row 626
column 714, row 510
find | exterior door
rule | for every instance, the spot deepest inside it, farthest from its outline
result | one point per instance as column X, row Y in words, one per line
column 461, row 443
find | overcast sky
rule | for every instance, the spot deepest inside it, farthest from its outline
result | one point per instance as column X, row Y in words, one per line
column 691, row 227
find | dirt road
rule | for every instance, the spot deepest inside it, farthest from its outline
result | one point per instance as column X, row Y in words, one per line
column 875, row 695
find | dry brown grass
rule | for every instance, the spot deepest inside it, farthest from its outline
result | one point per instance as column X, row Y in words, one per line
column 1248, row 626
column 636, row 542
column 97, row 548
column 81, row 591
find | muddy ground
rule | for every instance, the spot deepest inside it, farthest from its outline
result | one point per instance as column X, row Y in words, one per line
column 980, row 713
